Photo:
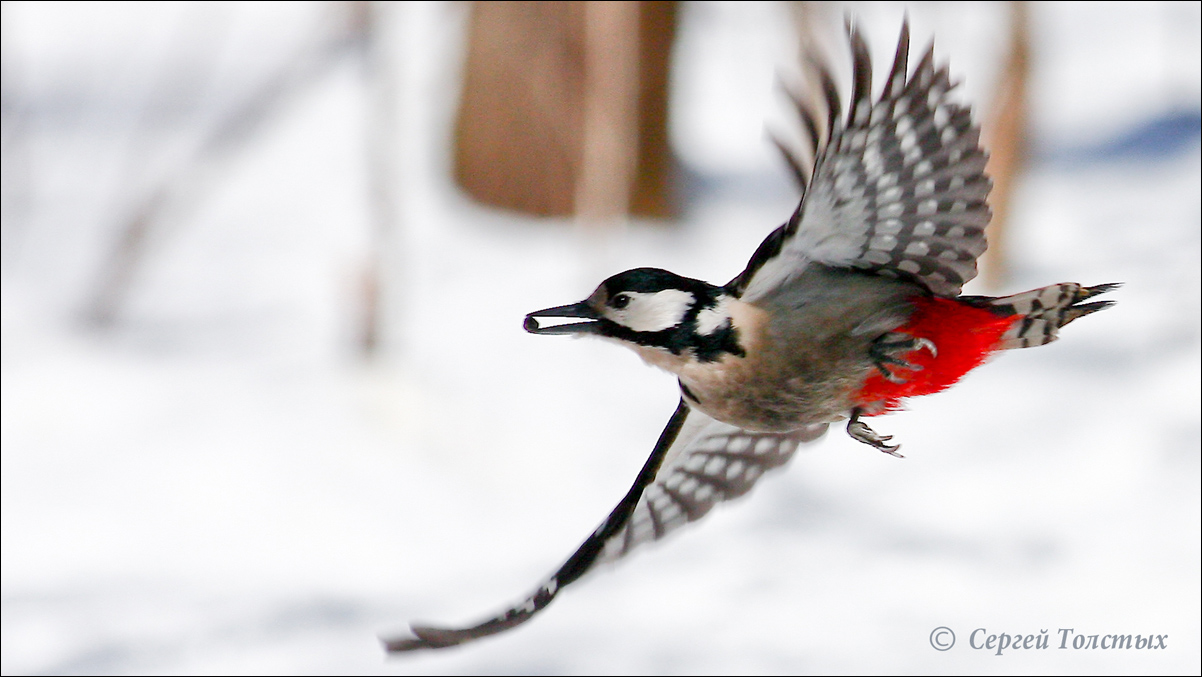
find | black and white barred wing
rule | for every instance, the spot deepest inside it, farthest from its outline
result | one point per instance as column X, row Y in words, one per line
column 897, row 188
column 711, row 462
column 696, row 464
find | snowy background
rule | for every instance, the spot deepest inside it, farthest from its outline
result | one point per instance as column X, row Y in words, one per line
column 219, row 482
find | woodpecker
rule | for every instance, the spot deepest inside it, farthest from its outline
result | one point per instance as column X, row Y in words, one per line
column 842, row 313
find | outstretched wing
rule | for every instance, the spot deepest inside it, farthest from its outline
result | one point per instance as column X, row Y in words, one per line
column 697, row 463
column 897, row 188
column 712, row 462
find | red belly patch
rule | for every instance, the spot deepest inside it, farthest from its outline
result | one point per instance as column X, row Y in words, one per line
column 964, row 335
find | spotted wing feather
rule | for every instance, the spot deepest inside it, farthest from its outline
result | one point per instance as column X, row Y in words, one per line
column 713, row 462
column 898, row 187
column 696, row 464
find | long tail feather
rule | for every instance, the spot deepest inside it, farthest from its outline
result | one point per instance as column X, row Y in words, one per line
column 1042, row 312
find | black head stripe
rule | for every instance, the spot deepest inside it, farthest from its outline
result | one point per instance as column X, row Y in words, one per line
column 682, row 338
column 652, row 280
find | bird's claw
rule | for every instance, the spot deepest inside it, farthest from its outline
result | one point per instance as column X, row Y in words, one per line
column 860, row 432
column 889, row 349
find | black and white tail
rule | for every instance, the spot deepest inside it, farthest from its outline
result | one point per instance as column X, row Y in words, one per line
column 1044, row 311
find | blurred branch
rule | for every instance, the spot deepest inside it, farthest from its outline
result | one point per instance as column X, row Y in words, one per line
column 380, row 84
column 181, row 79
column 225, row 138
column 15, row 166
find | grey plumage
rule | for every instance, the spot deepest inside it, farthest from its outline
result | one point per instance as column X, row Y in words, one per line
column 810, row 354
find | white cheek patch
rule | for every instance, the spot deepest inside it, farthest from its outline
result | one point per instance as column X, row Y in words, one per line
column 710, row 320
column 653, row 312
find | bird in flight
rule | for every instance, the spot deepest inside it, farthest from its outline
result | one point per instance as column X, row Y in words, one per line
column 850, row 307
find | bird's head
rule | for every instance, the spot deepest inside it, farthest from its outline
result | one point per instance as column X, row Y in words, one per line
column 650, row 308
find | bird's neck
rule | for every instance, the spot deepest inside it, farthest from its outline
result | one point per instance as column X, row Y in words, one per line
column 724, row 329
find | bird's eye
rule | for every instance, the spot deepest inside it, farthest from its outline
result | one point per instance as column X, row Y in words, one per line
column 620, row 301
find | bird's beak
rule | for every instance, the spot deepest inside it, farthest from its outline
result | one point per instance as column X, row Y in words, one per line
column 582, row 309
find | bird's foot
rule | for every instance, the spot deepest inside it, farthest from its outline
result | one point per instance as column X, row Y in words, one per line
column 860, row 432
column 889, row 349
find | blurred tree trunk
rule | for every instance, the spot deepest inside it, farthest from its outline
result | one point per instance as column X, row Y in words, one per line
column 538, row 99
column 609, row 142
column 1006, row 138
column 653, row 191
